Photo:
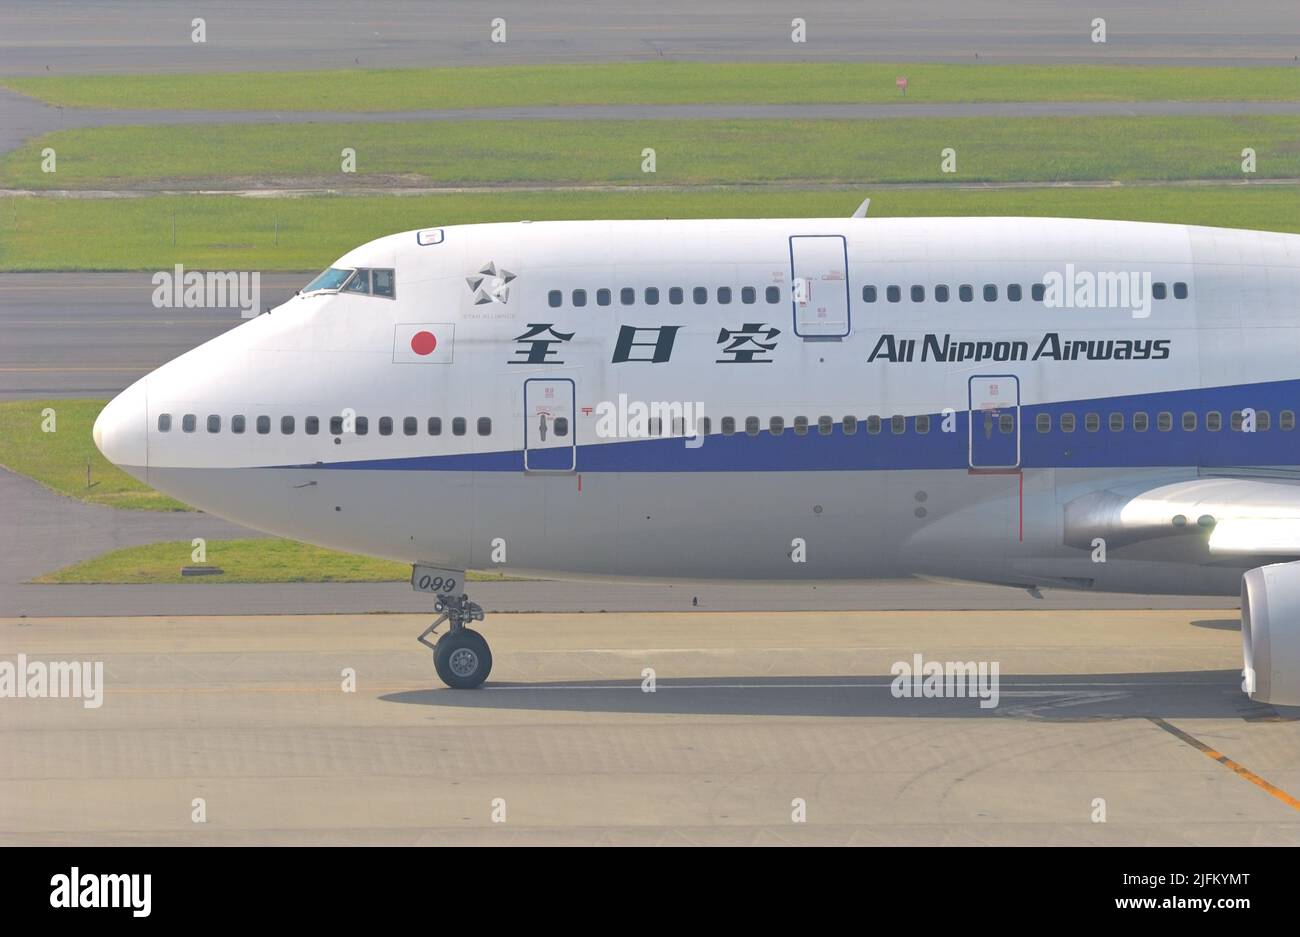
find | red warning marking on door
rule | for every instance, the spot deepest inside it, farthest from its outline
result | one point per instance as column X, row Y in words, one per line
column 423, row 343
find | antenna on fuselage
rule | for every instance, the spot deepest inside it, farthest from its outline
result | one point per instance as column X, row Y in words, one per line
column 862, row 209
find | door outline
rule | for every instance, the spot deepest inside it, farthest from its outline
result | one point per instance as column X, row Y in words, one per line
column 573, row 427
column 848, row 294
column 971, row 412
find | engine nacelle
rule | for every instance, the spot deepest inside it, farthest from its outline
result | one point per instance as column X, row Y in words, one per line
column 1270, row 633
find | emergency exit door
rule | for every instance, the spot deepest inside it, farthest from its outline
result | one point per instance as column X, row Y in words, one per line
column 549, row 427
column 994, row 424
column 819, row 278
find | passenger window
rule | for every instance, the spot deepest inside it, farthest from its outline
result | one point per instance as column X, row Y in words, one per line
column 484, row 426
column 655, row 426
column 1164, row 421
column 1037, row 291
column 385, row 426
column 553, row 299
column 1286, row 420
column 336, row 426
column 1214, row 421
column 237, row 423
column 312, row 425
column 1117, row 422
column 360, row 282
column 728, row 426
column 627, row 296
column 1067, row 422
column 1141, row 422
column 893, row 294
column 1044, row 422
column 286, row 426
column 868, row 294
column 708, row 426
column 922, row 424
column 382, row 283
column 1180, row 291
column 1006, row 423
column 1262, row 421
column 751, row 426
column 773, row 294
column 990, row 293
column 801, row 426
column 652, row 296
column 214, row 423
column 603, row 297
column 362, row 425
column 579, row 298
column 435, row 426
column 1158, row 290
column 965, row 292
column 410, row 426
column 724, row 295
column 188, row 422
column 263, row 425
column 675, row 295
column 1013, row 292
column 748, row 295
column 824, row 425
column 1189, row 421
column 941, row 294
column 897, row 424
column 776, row 426
column 850, row 425
column 1092, row 422
column 458, row 426
column 164, row 422
column 699, row 295
column 918, row 294
column 873, row 425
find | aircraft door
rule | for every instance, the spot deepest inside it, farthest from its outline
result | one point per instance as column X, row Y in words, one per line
column 994, row 425
column 550, row 430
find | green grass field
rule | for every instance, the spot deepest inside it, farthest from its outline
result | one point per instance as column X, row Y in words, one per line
column 58, row 459
column 659, row 83
column 262, row 559
column 228, row 232
column 1036, row 149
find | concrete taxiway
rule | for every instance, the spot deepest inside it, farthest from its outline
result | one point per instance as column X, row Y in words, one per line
column 752, row 713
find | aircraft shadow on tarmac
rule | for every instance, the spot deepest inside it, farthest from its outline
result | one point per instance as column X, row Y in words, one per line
column 1047, row 697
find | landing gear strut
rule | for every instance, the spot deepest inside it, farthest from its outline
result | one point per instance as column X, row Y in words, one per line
column 461, row 656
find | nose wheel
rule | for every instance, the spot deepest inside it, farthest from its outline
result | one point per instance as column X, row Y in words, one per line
column 461, row 656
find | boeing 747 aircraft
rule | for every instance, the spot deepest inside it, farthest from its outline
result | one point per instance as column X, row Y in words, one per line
column 1033, row 402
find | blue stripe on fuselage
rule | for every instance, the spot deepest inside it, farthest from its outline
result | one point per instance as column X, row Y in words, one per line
column 863, row 451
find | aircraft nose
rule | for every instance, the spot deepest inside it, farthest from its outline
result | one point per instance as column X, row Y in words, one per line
column 121, row 429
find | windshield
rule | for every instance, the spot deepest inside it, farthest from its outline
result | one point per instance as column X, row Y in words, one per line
column 331, row 279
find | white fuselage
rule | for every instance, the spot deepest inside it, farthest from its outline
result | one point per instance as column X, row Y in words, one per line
column 876, row 433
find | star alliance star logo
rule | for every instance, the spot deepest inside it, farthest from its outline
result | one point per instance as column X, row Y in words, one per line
column 490, row 285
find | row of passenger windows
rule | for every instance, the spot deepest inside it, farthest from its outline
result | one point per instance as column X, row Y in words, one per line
column 1014, row 293
column 1006, row 423
column 752, row 425
column 361, row 425
column 651, row 296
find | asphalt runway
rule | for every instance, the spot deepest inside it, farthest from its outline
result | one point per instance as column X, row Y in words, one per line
column 85, row 36
column 92, row 334
column 750, row 714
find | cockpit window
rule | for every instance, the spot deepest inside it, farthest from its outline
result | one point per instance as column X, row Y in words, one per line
column 331, row 279
column 360, row 282
column 381, row 282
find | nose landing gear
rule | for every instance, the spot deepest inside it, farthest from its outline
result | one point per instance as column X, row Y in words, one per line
column 461, row 656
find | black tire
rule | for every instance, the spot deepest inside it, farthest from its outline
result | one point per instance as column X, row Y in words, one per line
column 462, row 659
